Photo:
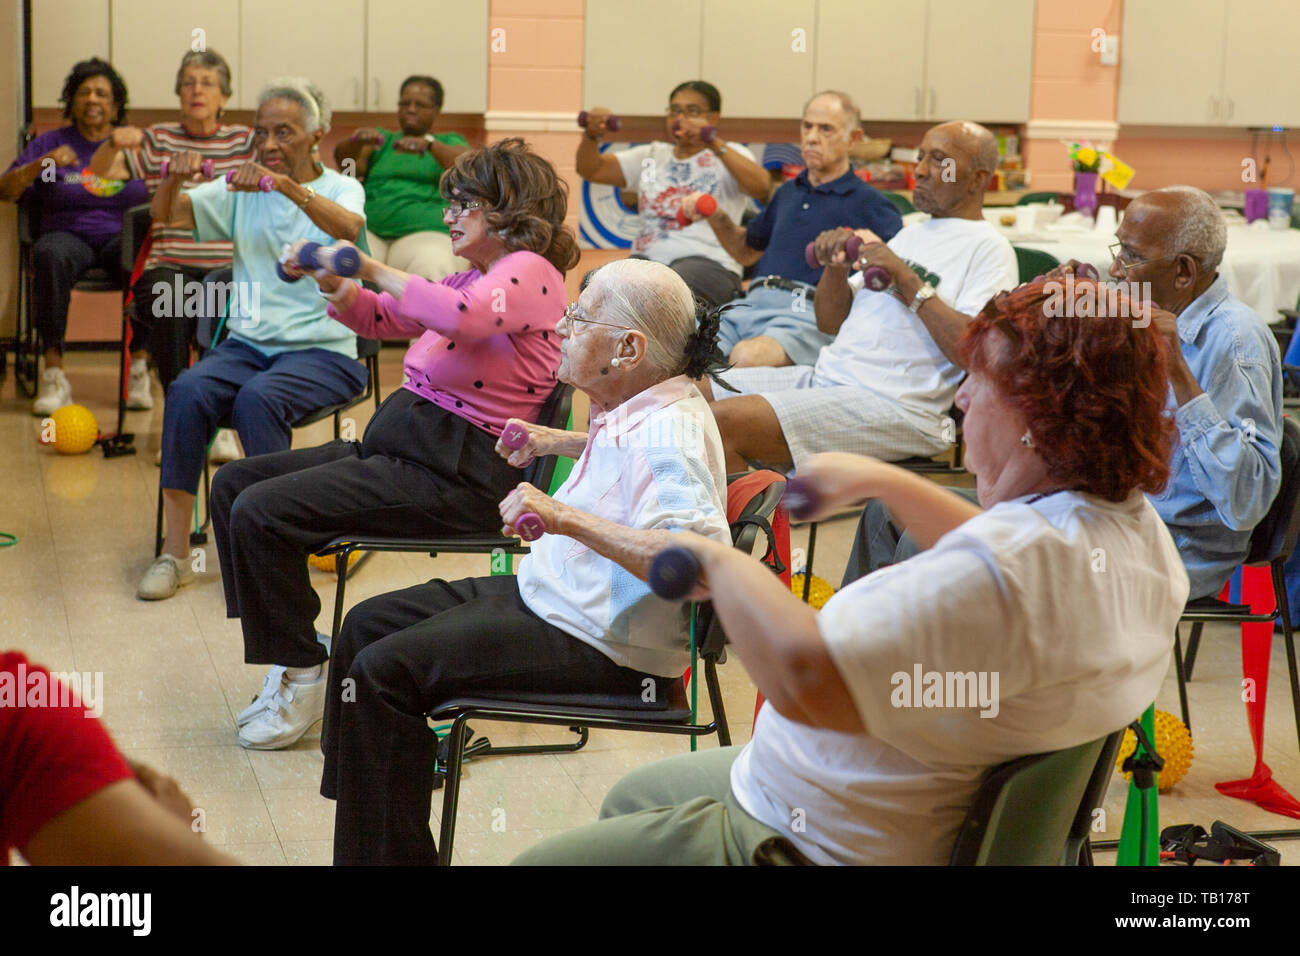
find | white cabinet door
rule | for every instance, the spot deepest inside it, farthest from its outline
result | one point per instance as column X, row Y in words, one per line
column 763, row 52
column 881, row 67
column 322, row 40
column 634, row 54
column 1171, row 62
column 979, row 60
column 445, row 39
column 1261, row 84
column 151, row 37
column 64, row 32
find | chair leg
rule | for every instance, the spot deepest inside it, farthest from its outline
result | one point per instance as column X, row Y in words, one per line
column 807, row 571
column 715, row 701
column 1193, row 645
column 451, row 789
column 341, row 571
column 1182, row 685
column 1288, row 636
column 158, row 526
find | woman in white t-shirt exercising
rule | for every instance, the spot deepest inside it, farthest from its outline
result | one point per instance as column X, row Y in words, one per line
column 670, row 176
column 1041, row 623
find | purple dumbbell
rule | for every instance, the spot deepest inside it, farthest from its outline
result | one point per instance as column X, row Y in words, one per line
column 801, row 498
column 306, row 257
column 1086, row 270
column 206, row 168
column 266, row 183
column 613, row 123
column 875, row 278
column 708, row 134
column 674, row 572
column 514, row 436
column 344, row 261
column 530, row 526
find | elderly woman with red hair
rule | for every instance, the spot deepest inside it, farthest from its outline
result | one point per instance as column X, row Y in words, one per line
column 1040, row 623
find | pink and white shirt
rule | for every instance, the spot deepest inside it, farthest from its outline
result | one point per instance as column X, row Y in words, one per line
column 487, row 350
column 654, row 462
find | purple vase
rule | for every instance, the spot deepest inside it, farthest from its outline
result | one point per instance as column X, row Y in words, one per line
column 1085, row 193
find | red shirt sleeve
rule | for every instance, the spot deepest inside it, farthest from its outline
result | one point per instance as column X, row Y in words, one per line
column 51, row 757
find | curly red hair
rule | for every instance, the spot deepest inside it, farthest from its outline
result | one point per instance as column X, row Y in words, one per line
column 1089, row 378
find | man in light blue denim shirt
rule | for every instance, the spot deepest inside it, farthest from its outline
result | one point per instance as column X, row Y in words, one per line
column 1225, row 380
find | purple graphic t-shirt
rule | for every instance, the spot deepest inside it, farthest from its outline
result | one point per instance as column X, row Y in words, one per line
column 72, row 198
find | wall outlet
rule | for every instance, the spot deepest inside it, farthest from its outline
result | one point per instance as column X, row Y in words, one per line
column 1110, row 50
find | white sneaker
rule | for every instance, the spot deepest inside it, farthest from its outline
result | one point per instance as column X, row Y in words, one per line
column 270, row 684
column 138, row 395
column 163, row 577
column 291, row 711
column 55, row 392
column 224, row 447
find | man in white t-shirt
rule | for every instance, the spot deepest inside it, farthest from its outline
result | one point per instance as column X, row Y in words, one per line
column 667, row 175
column 883, row 387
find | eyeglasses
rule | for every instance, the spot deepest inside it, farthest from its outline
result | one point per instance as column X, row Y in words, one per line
column 573, row 313
column 458, row 207
column 693, row 112
column 1117, row 248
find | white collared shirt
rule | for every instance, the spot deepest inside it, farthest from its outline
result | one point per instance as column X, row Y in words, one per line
column 654, row 462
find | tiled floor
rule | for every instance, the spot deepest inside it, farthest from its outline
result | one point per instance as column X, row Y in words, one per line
column 174, row 674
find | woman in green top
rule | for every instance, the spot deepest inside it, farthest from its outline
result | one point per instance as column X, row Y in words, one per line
column 401, row 172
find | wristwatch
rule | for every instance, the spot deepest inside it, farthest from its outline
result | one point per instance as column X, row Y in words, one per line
column 923, row 295
column 429, row 138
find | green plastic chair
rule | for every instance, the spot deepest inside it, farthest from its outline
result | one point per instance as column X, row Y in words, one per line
column 901, row 202
column 1029, row 198
column 1037, row 810
column 1034, row 262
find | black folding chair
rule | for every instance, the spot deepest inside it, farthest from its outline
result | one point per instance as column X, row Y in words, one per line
column 1271, row 543
column 669, row 714
column 554, row 414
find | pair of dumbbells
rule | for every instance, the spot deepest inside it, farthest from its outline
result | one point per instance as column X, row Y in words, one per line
column 675, row 572
column 876, row 278
column 265, row 184
column 343, row 261
column 614, row 123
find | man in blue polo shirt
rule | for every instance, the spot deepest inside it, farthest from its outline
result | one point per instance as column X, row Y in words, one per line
column 773, row 323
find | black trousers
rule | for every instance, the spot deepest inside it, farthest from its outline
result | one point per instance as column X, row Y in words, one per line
column 60, row 259
column 402, row 654
column 419, row 470
column 165, row 330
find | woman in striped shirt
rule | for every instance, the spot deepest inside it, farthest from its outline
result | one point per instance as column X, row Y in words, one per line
column 160, row 325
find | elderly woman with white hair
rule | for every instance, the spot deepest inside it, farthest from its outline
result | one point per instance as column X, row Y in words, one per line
column 578, row 617
column 285, row 356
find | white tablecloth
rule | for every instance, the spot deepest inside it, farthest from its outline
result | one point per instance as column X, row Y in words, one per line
column 1262, row 265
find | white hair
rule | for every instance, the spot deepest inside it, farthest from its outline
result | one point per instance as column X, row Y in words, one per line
column 853, row 115
column 650, row 297
column 1198, row 227
column 316, row 112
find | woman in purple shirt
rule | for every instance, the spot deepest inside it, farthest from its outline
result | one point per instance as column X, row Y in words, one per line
column 81, row 214
column 487, row 352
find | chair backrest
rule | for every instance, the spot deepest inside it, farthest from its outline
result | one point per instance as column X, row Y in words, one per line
column 1024, row 810
column 1093, row 795
column 29, row 217
column 554, row 414
column 1034, row 262
column 1274, row 537
column 760, row 503
column 136, row 223
column 901, row 202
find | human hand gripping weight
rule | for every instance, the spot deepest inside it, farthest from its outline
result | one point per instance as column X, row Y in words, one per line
column 264, row 183
column 695, row 207
column 528, row 513
column 875, row 278
column 342, row 259
column 610, row 122
column 205, row 167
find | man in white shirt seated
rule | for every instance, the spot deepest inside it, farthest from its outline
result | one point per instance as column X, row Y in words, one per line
column 884, row 386
column 885, row 710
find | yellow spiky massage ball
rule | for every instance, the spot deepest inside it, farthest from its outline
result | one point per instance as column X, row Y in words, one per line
column 74, row 430
column 328, row 563
column 1173, row 742
column 819, row 592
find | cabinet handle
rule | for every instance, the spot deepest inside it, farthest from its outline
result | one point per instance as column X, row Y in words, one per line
column 916, row 107
column 932, row 103
column 1232, row 107
column 1214, row 107
column 376, row 79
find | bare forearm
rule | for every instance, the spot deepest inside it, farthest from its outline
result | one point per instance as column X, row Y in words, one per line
column 777, row 638
column 751, row 177
column 587, row 160
column 732, row 238
column 944, row 323
column 834, row 298
column 632, row 548
column 171, row 206
column 446, row 153
column 926, row 510
column 325, row 213
column 566, row 443
column 15, row 182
